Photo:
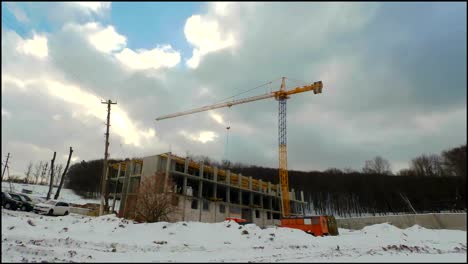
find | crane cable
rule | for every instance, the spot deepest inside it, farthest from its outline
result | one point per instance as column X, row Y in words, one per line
column 228, row 127
column 261, row 85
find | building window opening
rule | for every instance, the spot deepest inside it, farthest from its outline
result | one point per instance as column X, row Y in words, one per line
column 194, row 204
column 206, row 206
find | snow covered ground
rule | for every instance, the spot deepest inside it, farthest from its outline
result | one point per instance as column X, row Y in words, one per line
column 41, row 191
column 30, row 237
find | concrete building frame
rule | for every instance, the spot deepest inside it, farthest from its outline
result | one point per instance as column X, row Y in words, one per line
column 203, row 193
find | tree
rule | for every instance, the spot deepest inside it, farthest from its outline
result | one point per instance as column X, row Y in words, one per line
column 454, row 161
column 333, row 171
column 406, row 172
column 153, row 203
column 28, row 172
column 427, row 165
column 58, row 171
column 378, row 165
column 51, row 178
column 44, row 173
column 37, row 172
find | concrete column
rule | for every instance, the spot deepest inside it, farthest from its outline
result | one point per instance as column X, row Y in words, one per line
column 269, row 187
column 240, row 197
column 250, row 183
column 215, row 174
column 201, row 169
column 228, row 177
column 186, row 164
column 215, row 191
column 239, row 177
column 116, row 185
column 228, row 194
column 184, row 186
column 168, row 166
column 126, row 187
column 270, row 202
column 302, row 196
column 200, row 189
column 260, row 183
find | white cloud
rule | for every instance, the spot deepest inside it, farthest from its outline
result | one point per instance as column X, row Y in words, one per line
column 19, row 14
column 87, row 104
column 203, row 136
column 57, row 117
column 16, row 82
column 218, row 118
column 222, row 8
column 104, row 39
column 156, row 58
column 109, row 41
column 6, row 114
column 37, row 46
column 95, row 7
column 205, row 35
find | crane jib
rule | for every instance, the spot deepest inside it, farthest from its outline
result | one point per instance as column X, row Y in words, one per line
column 281, row 95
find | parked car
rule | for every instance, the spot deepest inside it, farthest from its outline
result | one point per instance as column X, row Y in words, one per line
column 9, row 203
column 26, row 205
column 52, row 207
column 32, row 199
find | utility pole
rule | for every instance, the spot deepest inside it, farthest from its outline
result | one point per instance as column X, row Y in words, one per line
column 6, row 165
column 104, row 168
column 51, row 175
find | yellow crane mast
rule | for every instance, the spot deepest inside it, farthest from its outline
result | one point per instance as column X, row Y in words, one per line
column 281, row 96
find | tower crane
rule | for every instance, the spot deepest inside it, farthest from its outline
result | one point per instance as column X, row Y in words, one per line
column 281, row 96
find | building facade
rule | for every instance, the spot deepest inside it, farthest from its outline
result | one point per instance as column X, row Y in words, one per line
column 203, row 193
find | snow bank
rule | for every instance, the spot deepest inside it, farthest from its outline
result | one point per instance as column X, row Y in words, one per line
column 30, row 237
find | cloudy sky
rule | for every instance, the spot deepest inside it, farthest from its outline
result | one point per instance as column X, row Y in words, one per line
column 394, row 77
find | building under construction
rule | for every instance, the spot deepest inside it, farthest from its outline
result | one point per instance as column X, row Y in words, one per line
column 203, row 193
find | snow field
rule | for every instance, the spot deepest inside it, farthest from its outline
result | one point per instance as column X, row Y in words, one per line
column 30, row 237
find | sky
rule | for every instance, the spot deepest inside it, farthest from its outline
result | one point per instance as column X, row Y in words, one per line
column 394, row 80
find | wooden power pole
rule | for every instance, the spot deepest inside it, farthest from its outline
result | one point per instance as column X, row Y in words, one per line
column 51, row 175
column 106, row 154
column 6, row 165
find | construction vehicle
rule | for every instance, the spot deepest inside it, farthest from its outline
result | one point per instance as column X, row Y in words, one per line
column 314, row 225
column 281, row 96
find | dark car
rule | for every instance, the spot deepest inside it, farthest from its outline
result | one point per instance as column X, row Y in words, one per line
column 26, row 205
column 9, row 203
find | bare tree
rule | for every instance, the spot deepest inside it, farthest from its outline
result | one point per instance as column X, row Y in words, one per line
column 57, row 172
column 37, row 172
column 454, row 161
column 51, row 178
column 28, row 172
column 44, row 173
column 154, row 204
column 406, row 172
column 378, row 165
column 427, row 165
column 333, row 171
